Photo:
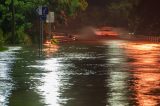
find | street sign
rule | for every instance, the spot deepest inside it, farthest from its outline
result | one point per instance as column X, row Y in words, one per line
column 42, row 10
column 39, row 10
column 50, row 17
column 43, row 17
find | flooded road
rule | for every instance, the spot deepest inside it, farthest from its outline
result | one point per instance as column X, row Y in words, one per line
column 114, row 73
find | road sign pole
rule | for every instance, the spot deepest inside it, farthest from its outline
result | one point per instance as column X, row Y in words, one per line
column 42, row 36
column 50, row 20
column 42, row 12
column 50, row 28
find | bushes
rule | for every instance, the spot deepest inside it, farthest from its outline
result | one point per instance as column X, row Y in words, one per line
column 2, row 41
column 22, row 37
column 1, row 38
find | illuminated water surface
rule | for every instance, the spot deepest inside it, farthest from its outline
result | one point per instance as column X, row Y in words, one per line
column 113, row 73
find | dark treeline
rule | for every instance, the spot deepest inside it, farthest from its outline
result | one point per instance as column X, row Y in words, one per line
column 148, row 12
column 140, row 16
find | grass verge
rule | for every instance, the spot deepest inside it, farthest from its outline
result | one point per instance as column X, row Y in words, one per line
column 3, row 49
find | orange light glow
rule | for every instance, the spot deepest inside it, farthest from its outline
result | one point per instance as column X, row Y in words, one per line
column 106, row 31
column 145, row 46
column 50, row 48
column 144, row 86
column 47, row 42
column 146, row 72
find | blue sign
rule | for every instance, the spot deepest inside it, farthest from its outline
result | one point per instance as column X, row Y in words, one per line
column 44, row 10
column 43, row 17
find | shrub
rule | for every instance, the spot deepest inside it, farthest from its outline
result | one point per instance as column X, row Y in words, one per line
column 1, row 38
column 22, row 37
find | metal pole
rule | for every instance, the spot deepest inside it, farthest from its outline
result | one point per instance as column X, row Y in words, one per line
column 50, row 34
column 42, row 36
column 50, row 29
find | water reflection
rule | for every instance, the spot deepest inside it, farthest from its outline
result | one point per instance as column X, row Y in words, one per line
column 71, row 78
column 118, row 75
column 145, row 72
column 50, row 49
column 115, row 73
column 6, row 59
column 118, row 72
column 51, row 83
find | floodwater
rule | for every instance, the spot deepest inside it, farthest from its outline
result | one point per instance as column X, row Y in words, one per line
column 113, row 73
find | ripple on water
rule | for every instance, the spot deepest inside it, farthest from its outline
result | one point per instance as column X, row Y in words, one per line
column 6, row 59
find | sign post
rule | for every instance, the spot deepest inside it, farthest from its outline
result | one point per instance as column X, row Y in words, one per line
column 42, row 12
column 50, row 20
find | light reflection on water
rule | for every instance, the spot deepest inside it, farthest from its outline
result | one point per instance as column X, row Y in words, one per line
column 146, row 72
column 6, row 59
column 130, row 70
column 51, row 82
column 58, row 74
column 117, row 73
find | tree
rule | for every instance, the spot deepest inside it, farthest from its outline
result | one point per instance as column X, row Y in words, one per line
column 121, row 12
column 141, row 16
column 25, row 15
column 148, row 12
column 22, row 7
column 65, row 9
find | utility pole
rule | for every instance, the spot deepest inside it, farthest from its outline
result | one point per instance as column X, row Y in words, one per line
column 13, row 22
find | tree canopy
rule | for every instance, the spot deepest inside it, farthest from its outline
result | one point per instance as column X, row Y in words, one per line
column 25, row 14
column 141, row 16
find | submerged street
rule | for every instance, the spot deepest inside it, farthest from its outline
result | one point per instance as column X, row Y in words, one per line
column 79, row 53
column 111, row 73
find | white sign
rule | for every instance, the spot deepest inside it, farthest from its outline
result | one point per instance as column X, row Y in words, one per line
column 50, row 17
column 39, row 10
